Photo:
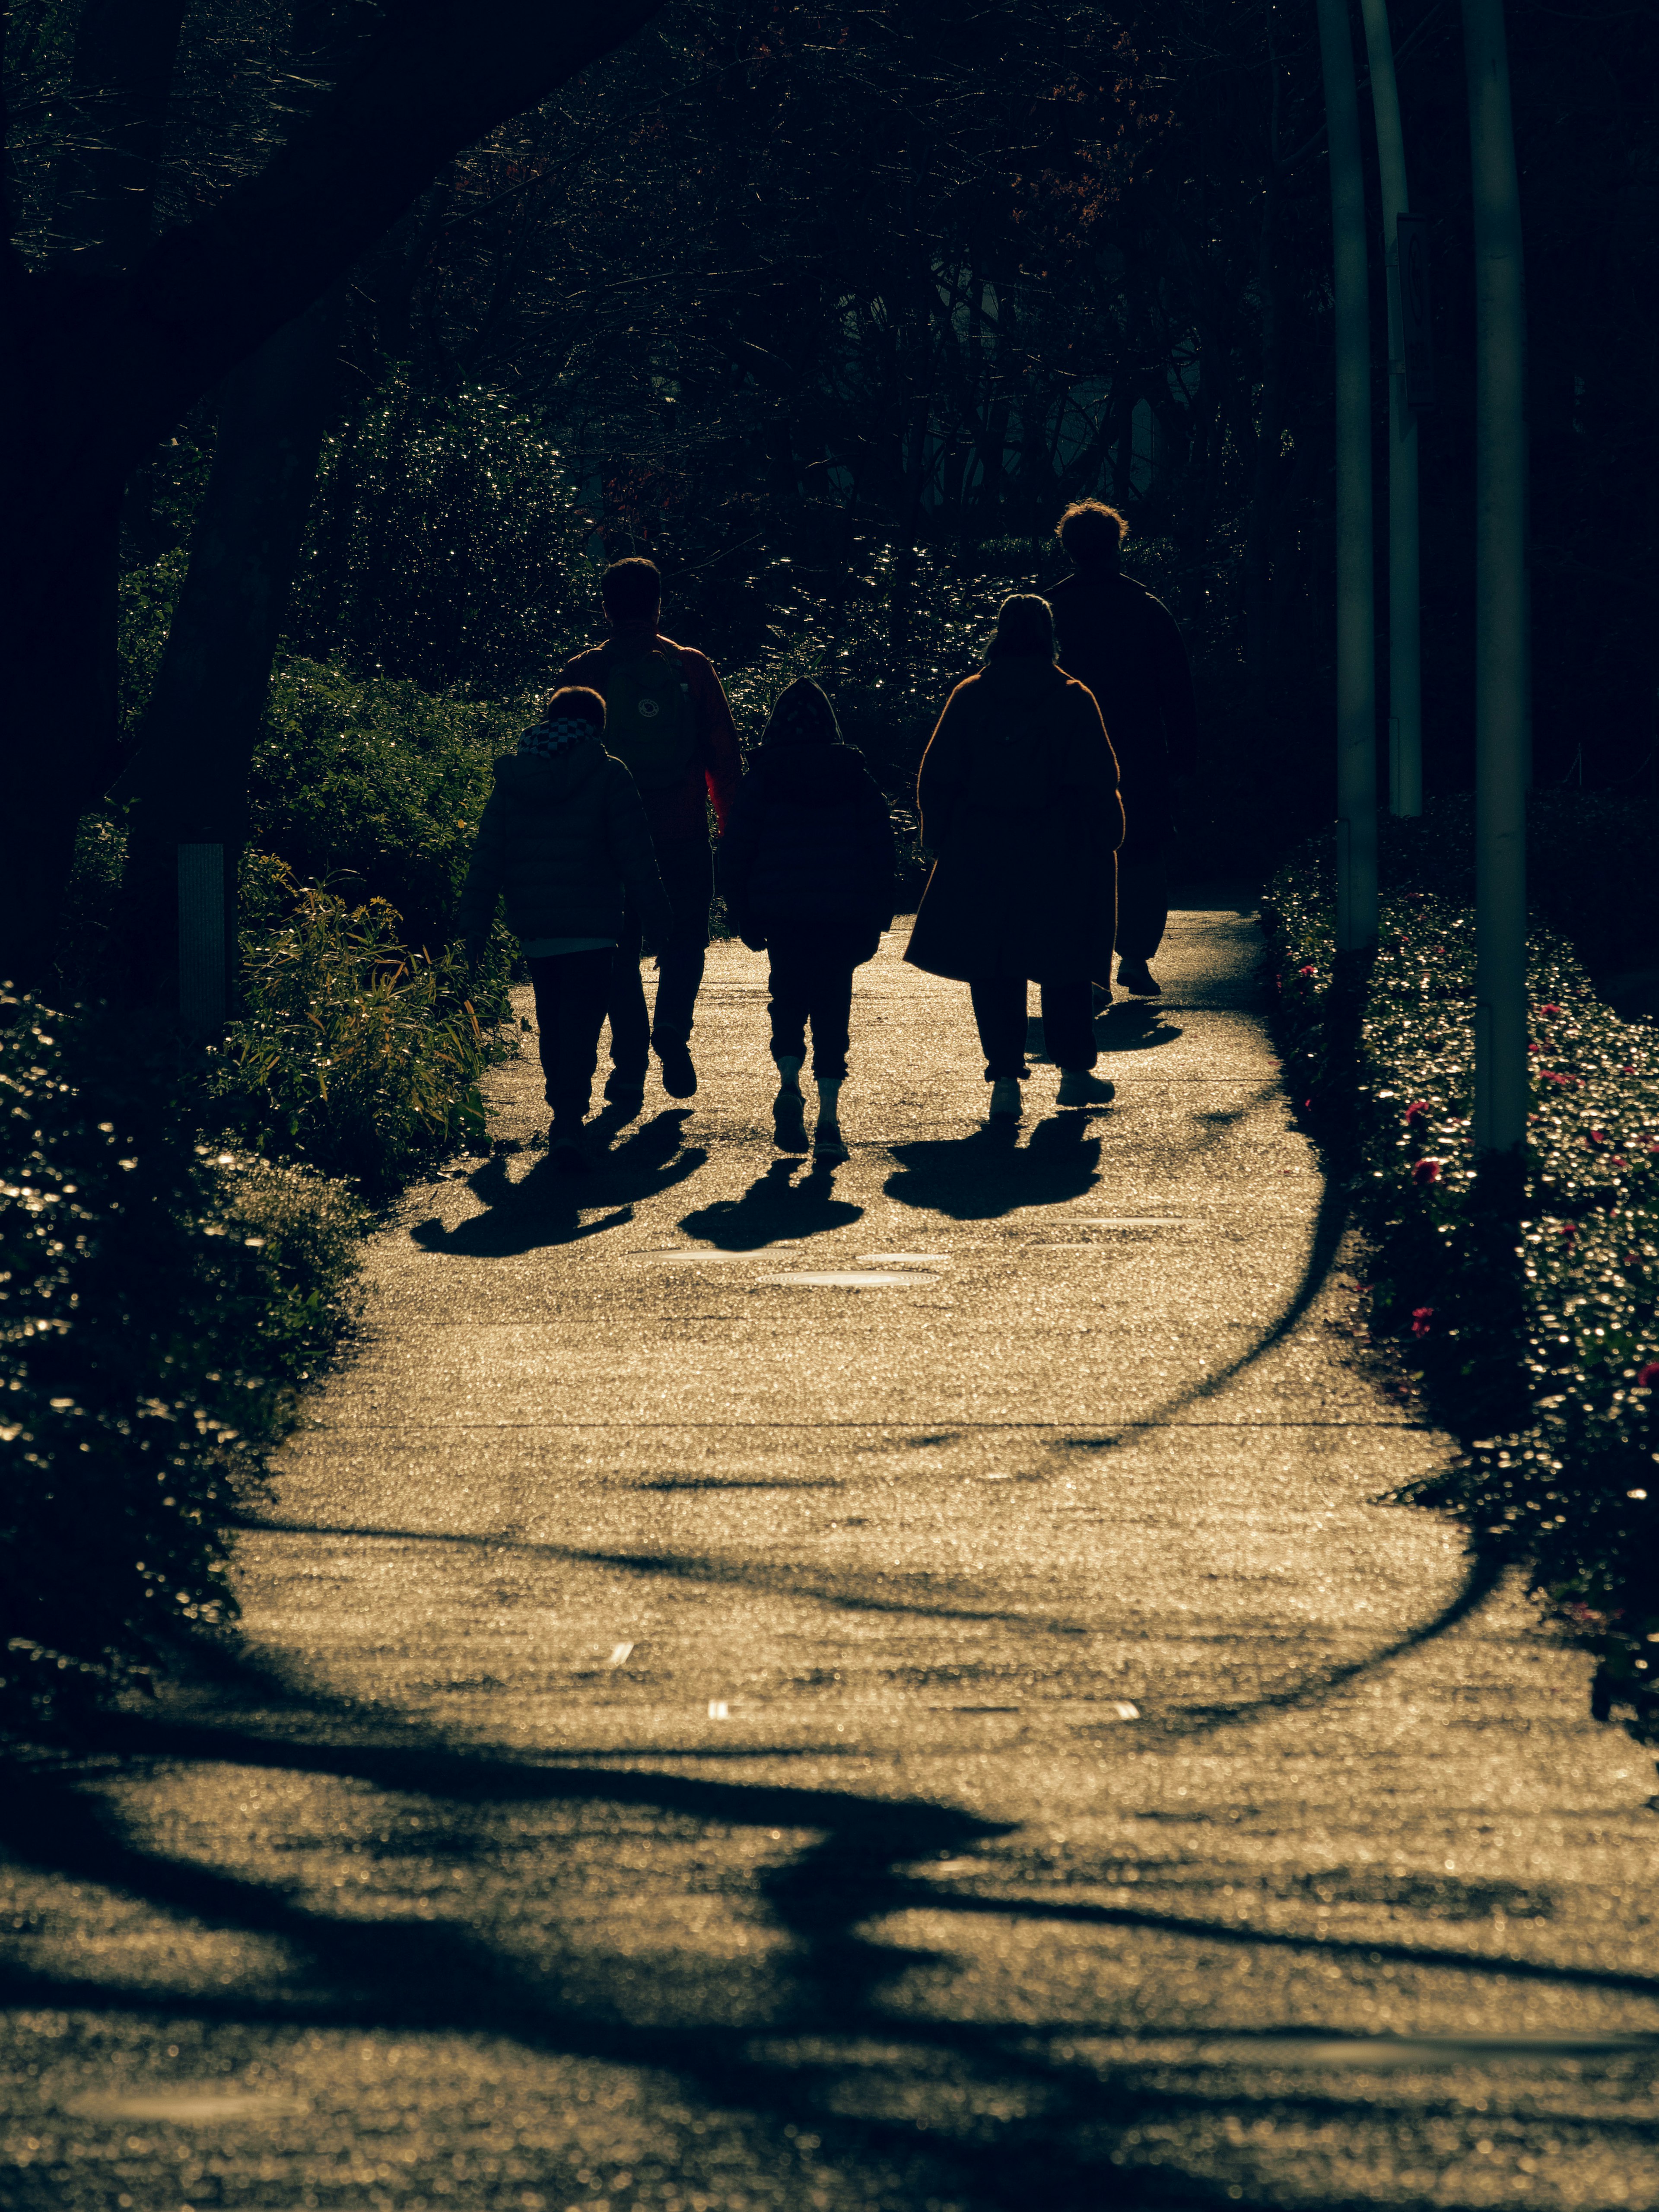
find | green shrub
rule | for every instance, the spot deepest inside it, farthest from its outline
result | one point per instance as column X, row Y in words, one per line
column 159, row 1299
column 1539, row 1346
column 378, row 779
column 352, row 1052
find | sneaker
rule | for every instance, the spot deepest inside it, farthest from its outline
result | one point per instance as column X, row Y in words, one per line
column 565, row 1152
column 1077, row 1087
column 679, row 1078
column 1135, row 975
column 789, row 1122
column 828, row 1143
column 625, row 1094
column 1006, row 1104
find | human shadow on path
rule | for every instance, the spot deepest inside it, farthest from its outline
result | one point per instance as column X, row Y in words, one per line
column 1136, row 1027
column 988, row 1174
column 545, row 1208
column 774, row 1206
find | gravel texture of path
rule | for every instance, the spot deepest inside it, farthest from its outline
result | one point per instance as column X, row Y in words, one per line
column 889, row 1688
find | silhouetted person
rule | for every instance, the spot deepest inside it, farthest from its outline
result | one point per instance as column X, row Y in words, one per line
column 668, row 720
column 806, row 871
column 1018, row 801
column 1123, row 643
column 564, row 834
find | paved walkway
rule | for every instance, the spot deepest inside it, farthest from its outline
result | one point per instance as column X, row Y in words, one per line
column 886, row 1691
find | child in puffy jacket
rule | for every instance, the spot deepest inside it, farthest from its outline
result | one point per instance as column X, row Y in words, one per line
column 806, row 871
column 563, row 833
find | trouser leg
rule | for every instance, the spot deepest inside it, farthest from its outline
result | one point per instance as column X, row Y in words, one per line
column 1068, row 1021
column 791, row 999
column 688, row 877
column 1143, row 900
column 571, row 989
column 832, row 1016
column 1000, row 1011
column 630, row 1023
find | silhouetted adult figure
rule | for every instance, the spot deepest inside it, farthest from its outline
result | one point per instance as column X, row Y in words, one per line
column 1123, row 643
column 1018, row 795
column 667, row 720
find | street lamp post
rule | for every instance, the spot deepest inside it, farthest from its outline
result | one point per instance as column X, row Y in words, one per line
column 1501, row 1085
column 1404, row 653
column 1356, row 652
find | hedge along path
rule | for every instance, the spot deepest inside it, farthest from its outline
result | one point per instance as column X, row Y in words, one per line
column 706, row 1739
column 1538, row 1345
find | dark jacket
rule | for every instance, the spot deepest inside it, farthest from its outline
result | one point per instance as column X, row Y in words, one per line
column 682, row 812
column 1018, row 801
column 1123, row 643
column 808, row 842
column 561, row 837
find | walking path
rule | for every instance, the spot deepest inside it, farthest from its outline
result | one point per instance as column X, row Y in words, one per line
column 884, row 1692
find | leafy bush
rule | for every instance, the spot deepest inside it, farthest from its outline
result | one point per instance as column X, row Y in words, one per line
column 376, row 778
column 159, row 1297
column 1539, row 1346
column 446, row 544
column 352, row 1052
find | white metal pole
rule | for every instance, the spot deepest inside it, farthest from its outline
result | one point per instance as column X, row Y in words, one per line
column 1500, row 638
column 1356, row 652
column 1405, row 646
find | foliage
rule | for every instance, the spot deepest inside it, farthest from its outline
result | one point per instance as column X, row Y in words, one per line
column 352, row 1052
column 1538, row 1344
column 446, row 542
column 374, row 777
column 159, row 1299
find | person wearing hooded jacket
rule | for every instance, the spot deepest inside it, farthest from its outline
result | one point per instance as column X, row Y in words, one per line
column 1018, row 799
column 564, row 834
column 806, row 871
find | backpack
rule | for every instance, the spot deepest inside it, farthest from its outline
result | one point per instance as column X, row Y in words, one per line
column 649, row 719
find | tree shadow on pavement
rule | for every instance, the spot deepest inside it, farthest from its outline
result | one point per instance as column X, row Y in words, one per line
column 545, row 1208
column 774, row 1206
column 988, row 1174
column 909, row 2098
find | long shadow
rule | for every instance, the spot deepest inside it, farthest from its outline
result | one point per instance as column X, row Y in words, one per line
column 774, row 1206
column 986, row 1175
column 445, row 1976
column 545, row 1208
column 1139, row 1026
column 919, row 1592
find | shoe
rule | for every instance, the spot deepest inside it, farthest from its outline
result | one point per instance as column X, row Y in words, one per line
column 1006, row 1104
column 679, row 1078
column 624, row 1094
column 789, row 1122
column 1135, row 975
column 565, row 1152
column 828, row 1143
column 1077, row 1087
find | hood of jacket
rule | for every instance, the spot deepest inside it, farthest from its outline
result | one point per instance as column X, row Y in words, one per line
column 534, row 780
column 793, row 774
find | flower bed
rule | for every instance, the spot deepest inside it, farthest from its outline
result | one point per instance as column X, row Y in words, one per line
column 1538, row 1345
column 160, row 1298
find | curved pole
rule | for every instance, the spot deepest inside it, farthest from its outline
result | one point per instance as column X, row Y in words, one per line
column 1356, row 652
column 1405, row 641
column 1501, row 1081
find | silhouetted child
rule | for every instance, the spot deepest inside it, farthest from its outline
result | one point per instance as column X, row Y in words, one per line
column 563, row 834
column 806, row 871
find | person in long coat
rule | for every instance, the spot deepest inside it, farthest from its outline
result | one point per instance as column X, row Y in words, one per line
column 1019, row 801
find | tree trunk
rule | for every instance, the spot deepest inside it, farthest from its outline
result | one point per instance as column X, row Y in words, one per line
column 189, row 776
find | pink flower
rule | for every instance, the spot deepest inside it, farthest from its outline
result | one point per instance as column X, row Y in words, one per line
column 1549, row 1010
column 1645, row 1378
column 1309, row 971
column 1419, row 1110
column 1426, row 1171
column 1421, row 1316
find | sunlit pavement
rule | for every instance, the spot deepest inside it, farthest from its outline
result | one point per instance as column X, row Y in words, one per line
column 965, row 1731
